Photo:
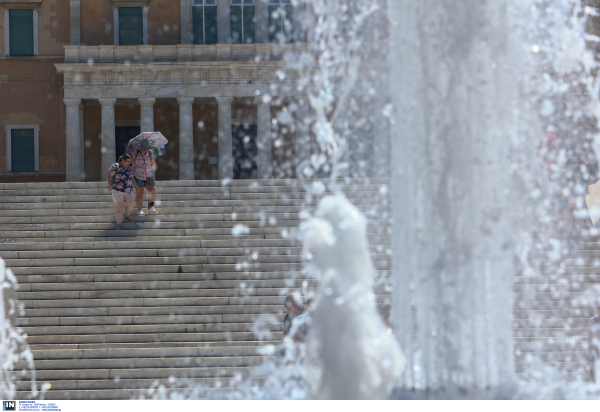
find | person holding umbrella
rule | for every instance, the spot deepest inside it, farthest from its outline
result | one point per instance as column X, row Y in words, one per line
column 143, row 161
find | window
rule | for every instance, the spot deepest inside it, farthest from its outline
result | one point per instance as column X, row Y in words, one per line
column 130, row 18
column 22, row 148
column 281, row 21
column 131, row 26
column 242, row 22
column 20, row 29
column 204, row 15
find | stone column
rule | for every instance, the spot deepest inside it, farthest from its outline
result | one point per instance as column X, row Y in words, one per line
column 186, row 138
column 74, row 159
column 108, row 135
column 225, row 138
column 381, row 143
column 263, row 139
column 303, row 151
column 146, row 114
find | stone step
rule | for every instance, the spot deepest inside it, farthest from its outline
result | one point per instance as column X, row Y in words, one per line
column 141, row 373
column 380, row 260
column 204, row 285
column 151, row 362
column 224, row 310
column 225, row 227
column 147, row 261
column 143, row 320
column 85, row 385
column 550, row 296
column 196, row 301
column 579, row 322
column 126, row 232
column 537, row 305
column 155, row 345
column 109, row 250
column 577, row 366
column 164, row 293
column 175, row 194
column 554, row 356
column 116, row 394
column 156, row 221
column 550, row 332
column 166, row 276
column 552, row 345
column 190, row 242
column 164, row 268
column 167, row 268
column 300, row 183
column 562, row 313
column 138, row 338
column 74, row 239
column 252, row 253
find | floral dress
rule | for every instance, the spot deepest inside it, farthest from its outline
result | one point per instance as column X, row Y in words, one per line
column 142, row 165
column 123, row 178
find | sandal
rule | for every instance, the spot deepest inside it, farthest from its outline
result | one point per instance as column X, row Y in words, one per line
column 118, row 227
column 127, row 220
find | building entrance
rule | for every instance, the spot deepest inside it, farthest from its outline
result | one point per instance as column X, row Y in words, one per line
column 244, row 151
column 123, row 134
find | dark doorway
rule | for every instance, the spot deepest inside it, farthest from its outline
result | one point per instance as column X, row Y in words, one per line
column 244, row 151
column 123, row 134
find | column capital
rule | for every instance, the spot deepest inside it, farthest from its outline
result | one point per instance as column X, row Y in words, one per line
column 185, row 99
column 261, row 100
column 107, row 101
column 72, row 102
column 146, row 101
column 224, row 100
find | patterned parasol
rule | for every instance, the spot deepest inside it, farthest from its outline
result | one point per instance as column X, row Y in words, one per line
column 157, row 142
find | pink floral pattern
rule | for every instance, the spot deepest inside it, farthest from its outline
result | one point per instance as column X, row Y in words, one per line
column 122, row 179
column 142, row 165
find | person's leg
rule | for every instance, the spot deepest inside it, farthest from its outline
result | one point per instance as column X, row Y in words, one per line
column 139, row 197
column 129, row 209
column 151, row 194
column 119, row 212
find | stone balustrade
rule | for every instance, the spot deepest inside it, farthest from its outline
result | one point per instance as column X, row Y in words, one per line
column 178, row 52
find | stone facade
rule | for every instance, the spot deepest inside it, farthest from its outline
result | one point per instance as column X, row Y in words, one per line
column 81, row 87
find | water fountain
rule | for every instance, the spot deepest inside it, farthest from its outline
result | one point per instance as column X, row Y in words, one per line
column 465, row 85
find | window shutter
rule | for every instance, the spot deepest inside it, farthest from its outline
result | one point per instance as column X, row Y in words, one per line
column 236, row 24
column 249, row 31
column 21, row 32
column 210, row 23
column 197, row 22
column 22, row 150
column 288, row 24
column 274, row 24
column 131, row 26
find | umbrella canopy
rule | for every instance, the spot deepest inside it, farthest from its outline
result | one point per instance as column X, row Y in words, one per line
column 158, row 143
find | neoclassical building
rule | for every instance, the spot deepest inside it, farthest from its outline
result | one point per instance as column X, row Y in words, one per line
column 79, row 78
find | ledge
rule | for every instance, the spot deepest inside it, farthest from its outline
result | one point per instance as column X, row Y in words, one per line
column 178, row 53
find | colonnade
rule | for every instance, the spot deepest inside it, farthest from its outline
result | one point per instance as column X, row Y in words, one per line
column 75, row 139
